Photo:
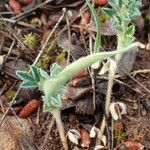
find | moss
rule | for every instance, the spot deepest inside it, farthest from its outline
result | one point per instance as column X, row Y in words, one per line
column 60, row 57
column 30, row 40
column 44, row 61
column 120, row 136
column 53, row 54
column 10, row 94
column 103, row 17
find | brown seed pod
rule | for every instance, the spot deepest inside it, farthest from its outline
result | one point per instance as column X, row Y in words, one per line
column 25, row 2
column 130, row 145
column 15, row 6
column 80, row 74
column 10, row 111
column 30, row 107
column 85, row 138
column 86, row 18
column 100, row 2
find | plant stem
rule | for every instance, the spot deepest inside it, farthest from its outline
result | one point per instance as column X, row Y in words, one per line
column 109, row 92
column 56, row 114
column 51, row 86
column 111, row 77
column 87, row 61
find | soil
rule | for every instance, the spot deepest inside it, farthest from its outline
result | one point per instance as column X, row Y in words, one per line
column 135, row 123
column 78, row 113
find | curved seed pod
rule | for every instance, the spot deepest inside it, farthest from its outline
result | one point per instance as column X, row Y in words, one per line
column 15, row 6
column 86, row 18
column 29, row 108
column 100, row 2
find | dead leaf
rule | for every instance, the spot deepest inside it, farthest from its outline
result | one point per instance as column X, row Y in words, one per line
column 73, row 135
column 115, row 110
column 76, row 93
column 76, row 49
column 106, row 28
column 80, row 82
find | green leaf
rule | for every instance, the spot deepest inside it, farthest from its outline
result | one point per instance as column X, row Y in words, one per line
column 51, row 103
column 129, row 40
column 134, row 4
column 127, row 17
column 35, row 73
column 48, row 107
column 56, row 101
column 29, row 85
column 54, row 70
column 118, row 28
column 25, row 76
column 97, row 22
column 114, row 4
column 135, row 14
column 110, row 12
column 117, row 19
column 130, row 30
column 120, row 3
column 44, row 74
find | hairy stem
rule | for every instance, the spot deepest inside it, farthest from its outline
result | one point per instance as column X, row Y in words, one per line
column 120, row 45
column 56, row 114
column 110, row 84
column 87, row 61
column 51, row 86
column 109, row 92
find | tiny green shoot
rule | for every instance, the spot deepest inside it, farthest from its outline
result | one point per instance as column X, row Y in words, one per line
column 30, row 40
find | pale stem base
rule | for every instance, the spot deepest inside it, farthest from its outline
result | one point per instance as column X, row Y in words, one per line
column 56, row 114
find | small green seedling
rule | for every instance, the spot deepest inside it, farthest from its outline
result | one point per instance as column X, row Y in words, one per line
column 30, row 40
column 120, row 136
column 123, row 12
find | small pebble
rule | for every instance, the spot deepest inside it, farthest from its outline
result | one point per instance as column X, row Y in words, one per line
column 144, row 112
column 135, row 106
